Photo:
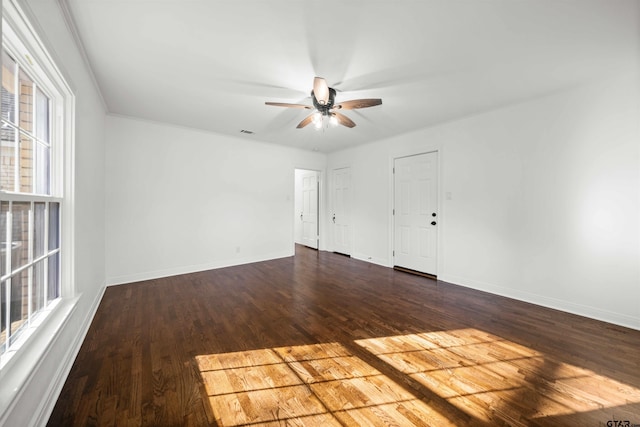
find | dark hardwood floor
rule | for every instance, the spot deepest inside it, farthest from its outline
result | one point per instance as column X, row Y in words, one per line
column 322, row 339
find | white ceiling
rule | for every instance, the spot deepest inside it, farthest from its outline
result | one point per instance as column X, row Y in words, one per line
column 211, row 64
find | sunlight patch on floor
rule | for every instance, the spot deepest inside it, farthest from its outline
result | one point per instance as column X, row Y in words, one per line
column 493, row 378
column 322, row 384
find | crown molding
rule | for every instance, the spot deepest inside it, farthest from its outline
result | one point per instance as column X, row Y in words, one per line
column 70, row 22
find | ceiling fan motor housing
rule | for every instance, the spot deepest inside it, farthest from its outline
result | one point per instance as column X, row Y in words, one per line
column 324, row 108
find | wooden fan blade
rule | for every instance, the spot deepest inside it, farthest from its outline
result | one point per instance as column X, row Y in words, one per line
column 344, row 120
column 321, row 90
column 358, row 103
column 284, row 104
column 305, row 122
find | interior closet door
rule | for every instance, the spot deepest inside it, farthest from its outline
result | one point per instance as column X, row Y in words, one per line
column 340, row 218
column 415, row 212
column 309, row 214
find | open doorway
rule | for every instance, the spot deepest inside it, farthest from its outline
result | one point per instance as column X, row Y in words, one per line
column 306, row 211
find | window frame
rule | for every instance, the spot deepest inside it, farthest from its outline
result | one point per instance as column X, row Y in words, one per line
column 29, row 134
column 22, row 43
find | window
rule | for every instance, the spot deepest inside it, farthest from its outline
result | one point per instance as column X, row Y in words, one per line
column 31, row 188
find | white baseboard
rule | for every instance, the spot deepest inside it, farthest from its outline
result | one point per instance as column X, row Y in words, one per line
column 374, row 260
column 554, row 303
column 158, row 274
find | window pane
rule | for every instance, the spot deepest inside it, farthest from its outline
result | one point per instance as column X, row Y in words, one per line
column 26, row 102
column 37, row 289
column 8, row 88
column 4, row 244
column 54, row 277
column 38, row 229
column 8, row 146
column 26, row 164
column 20, row 235
column 43, row 169
column 18, row 307
column 3, row 314
column 54, row 226
column 42, row 116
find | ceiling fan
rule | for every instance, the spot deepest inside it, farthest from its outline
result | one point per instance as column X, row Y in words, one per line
column 323, row 98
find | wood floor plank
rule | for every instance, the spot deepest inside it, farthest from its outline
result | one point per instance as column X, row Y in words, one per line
column 320, row 339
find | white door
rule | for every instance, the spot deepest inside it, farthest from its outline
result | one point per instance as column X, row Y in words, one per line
column 415, row 212
column 309, row 213
column 340, row 216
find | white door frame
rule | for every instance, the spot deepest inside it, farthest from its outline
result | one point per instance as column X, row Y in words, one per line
column 321, row 206
column 441, row 206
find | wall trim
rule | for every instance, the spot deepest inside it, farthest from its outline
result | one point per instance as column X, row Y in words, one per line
column 39, row 353
column 176, row 271
column 70, row 22
column 373, row 260
column 548, row 302
column 60, row 377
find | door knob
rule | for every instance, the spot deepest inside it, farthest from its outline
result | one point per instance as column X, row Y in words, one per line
column 301, row 213
column 334, row 218
column 433, row 214
column 433, row 223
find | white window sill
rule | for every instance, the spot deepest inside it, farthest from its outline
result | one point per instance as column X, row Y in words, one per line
column 18, row 365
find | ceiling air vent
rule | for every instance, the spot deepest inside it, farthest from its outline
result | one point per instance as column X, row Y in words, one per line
column 248, row 132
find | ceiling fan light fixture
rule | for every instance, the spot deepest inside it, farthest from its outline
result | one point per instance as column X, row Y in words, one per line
column 323, row 99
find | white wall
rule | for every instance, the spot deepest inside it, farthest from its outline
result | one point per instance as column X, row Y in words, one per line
column 544, row 203
column 34, row 398
column 181, row 200
column 544, row 199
